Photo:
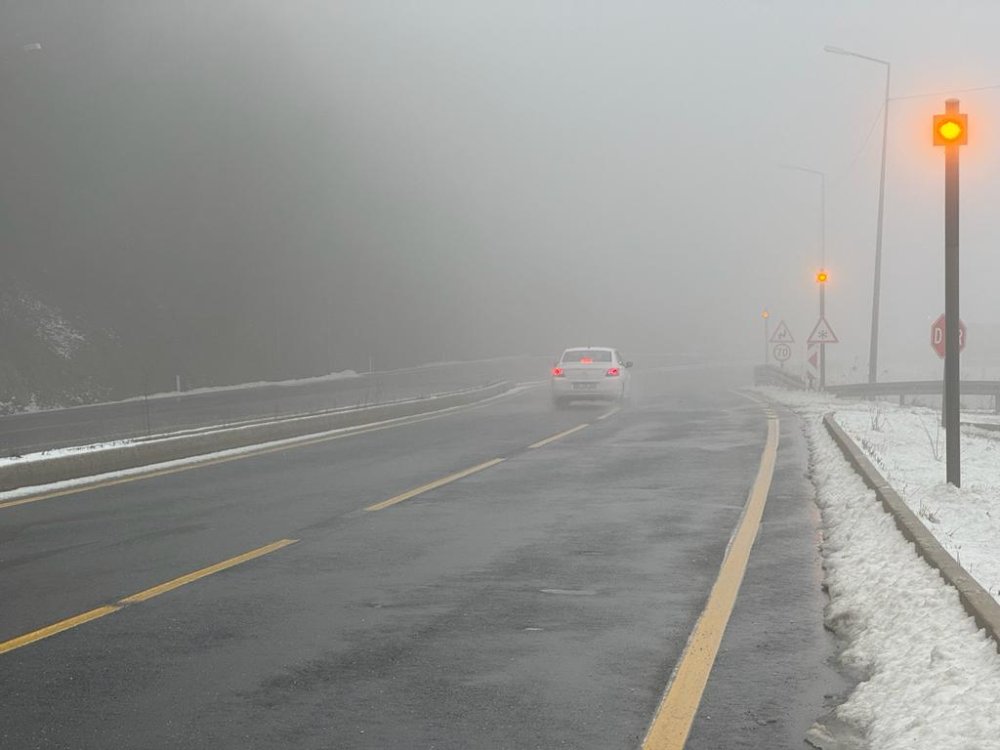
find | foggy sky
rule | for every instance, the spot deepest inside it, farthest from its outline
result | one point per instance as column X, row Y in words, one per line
column 419, row 181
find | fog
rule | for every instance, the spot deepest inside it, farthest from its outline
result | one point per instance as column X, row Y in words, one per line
column 298, row 187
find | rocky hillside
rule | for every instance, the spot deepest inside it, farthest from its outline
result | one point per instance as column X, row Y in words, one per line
column 48, row 359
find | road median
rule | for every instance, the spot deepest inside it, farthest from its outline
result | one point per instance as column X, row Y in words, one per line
column 62, row 466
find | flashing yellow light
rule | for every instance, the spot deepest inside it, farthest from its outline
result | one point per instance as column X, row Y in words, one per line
column 951, row 130
column 822, row 277
column 765, row 314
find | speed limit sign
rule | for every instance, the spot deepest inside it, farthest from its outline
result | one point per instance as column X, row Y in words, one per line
column 782, row 352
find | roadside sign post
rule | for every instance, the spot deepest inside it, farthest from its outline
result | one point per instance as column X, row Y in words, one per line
column 782, row 339
column 939, row 335
column 822, row 334
column 812, row 365
column 782, row 353
column 950, row 131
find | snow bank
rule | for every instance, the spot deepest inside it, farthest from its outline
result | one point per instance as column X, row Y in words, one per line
column 907, row 444
column 929, row 679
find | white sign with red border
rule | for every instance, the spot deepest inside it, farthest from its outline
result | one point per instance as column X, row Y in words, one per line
column 782, row 335
column 823, row 333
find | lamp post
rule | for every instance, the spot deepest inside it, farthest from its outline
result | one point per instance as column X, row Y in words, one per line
column 822, row 207
column 767, row 334
column 873, row 345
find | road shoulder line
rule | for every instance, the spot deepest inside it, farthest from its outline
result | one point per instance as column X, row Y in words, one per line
column 675, row 715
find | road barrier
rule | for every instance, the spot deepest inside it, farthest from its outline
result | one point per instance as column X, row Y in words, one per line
column 918, row 388
column 976, row 600
column 32, row 432
column 32, row 472
column 771, row 375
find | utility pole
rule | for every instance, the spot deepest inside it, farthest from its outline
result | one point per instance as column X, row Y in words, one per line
column 951, row 131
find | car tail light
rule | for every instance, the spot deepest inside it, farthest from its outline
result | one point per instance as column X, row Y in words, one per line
column 586, row 361
column 613, row 372
column 557, row 372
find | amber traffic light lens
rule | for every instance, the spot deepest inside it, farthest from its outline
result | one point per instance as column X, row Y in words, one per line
column 950, row 130
column 822, row 277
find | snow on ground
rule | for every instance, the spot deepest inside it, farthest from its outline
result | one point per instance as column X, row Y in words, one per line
column 907, row 444
column 928, row 678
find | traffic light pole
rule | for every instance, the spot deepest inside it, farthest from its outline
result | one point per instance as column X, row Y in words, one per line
column 822, row 346
column 953, row 427
column 767, row 337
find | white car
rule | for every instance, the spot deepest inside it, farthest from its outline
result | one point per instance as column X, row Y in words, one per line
column 590, row 373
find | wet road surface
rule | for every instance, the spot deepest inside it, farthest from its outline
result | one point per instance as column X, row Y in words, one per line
column 540, row 602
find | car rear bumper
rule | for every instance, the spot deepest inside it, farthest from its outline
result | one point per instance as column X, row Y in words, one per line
column 603, row 388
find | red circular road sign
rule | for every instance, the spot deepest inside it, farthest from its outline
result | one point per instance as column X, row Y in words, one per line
column 937, row 336
column 782, row 352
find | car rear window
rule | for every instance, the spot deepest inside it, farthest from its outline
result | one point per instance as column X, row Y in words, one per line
column 586, row 356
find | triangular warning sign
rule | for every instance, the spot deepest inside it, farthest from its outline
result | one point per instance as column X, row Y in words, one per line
column 823, row 333
column 782, row 335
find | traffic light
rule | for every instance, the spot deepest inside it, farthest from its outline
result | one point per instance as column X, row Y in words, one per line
column 951, row 129
column 765, row 315
column 822, row 277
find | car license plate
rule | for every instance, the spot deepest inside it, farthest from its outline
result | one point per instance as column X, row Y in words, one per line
column 584, row 386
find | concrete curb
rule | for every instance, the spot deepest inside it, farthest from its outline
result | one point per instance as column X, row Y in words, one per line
column 101, row 461
column 977, row 601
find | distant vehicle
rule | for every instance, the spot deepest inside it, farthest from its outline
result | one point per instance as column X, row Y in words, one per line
column 591, row 373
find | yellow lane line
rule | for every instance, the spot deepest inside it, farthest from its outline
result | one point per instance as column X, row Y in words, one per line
column 609, row 414
column 675, row 715
column 56, row 628
column 433, row 485
column 163, row 588
column 244, row 453
column 552, row 439
column 94, row 614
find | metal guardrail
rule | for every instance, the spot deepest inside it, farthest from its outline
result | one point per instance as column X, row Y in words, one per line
column 919, row 388
column 88, row 463
column 31, row 432
column 771, row 375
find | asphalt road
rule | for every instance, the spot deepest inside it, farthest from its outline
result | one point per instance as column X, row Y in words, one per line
column 540, row 602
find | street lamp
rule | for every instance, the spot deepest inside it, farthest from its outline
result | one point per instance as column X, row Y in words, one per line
column 873, row 346
column 822, row 206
